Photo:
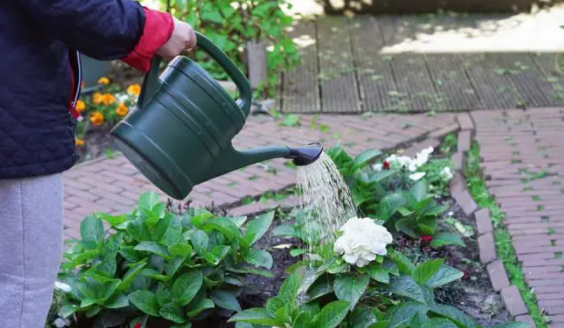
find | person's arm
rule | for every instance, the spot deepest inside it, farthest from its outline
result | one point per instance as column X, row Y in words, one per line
column 103, row 29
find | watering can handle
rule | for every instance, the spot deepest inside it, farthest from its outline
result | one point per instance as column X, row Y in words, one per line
column 150, row 82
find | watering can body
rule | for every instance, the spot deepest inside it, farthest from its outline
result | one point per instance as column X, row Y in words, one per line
column 180, row 133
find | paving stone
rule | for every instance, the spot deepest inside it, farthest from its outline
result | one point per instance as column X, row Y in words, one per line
column 487, row 248
column 465, row 201
column 440, row 133
column 483, row 221
column 429, row 142
column 465, row 121
column 513, row 301
column 464, row 140
column 526, row 318
column 498, row 275
column 458, row 161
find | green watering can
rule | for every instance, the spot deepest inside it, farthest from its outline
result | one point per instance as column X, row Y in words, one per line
column 181, row 131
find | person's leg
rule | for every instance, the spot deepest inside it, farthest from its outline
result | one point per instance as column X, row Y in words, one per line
column 31, row 227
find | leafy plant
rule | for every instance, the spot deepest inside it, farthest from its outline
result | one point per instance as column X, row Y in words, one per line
column 160, row 264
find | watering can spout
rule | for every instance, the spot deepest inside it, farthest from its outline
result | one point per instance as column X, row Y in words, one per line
column 234, row 159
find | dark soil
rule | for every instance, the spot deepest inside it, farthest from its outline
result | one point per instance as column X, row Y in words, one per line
column 97, row 142
column 474, row 294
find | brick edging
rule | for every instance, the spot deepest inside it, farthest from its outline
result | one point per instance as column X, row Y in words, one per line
column 486, row 240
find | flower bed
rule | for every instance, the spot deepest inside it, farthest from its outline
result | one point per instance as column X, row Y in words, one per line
column 409, row 260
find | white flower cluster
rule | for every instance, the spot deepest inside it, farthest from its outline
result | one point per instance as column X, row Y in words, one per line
column 361, row 241
column 406, row 162
column 446, row 174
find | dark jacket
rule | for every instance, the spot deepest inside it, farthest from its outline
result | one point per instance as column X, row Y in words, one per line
column 40, row 72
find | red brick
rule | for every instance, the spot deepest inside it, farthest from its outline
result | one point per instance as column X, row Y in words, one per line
column 465, row 121
column 487, row 248
column 498, row 275
column 526, row 318
column 513, row 301
column 483, row 221
column 464, row 141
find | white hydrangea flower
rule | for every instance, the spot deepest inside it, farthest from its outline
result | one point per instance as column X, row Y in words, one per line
column 446, row 173
column 398, row 162
column 361, row 241
column 62, row 286
column 417, row 176
column 377, row 167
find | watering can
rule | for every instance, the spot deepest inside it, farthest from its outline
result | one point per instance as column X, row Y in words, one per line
column 181, row 132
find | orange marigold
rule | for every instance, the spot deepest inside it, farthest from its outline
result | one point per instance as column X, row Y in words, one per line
column 97, row 98
column 122, row 110
column 108, row 99
column 79, row 142
column 80, row 106
column 97, row 118
column 104, row 80
column 134, row 90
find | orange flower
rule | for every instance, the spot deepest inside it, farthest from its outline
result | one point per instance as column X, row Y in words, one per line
column 122, row 110
column 108, row 99
column 97, row 118
column 104, row 80
column 82, row 85
column 97, row 98
column 80, row 106
column 134, row 90
column 79, row 142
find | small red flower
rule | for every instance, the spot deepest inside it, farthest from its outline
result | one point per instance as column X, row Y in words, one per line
column 386, row 165
column 465, row 276
column 426, row 239
column 138, row 325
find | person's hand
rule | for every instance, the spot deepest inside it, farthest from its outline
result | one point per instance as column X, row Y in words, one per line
column 182, row 38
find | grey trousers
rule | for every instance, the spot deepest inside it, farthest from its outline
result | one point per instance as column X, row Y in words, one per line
column 31, row 227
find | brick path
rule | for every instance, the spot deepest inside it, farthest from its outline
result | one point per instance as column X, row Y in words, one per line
column 523, row 153
column 113, row 185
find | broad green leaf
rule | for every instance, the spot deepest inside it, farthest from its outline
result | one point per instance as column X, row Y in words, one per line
column 172, row 236
column 198, row 307
column 321, row 287
column 186, row 286
column 200, row 241
column 362, row 318
column 163, row 294
column 225, row 226
column 390, row 204
column 419, row 190
column 404, row 211
column 174, row 265
column 225, row 299
column 87, row 301
column 200, row 219
column 67, row 310
column 403, row 263
column 148, row 200
column 350, row 287
column 145, row 301
column 283, row 314
column 92, row 231
column 152, row 247
column 297, row 252
column 407, row 287
column 289, row 289
column 250, row 270
column 184, row 325
column 258, row 227
column 400, row 315
column 117, row 301
column 172, row 312
column 378, row 273
column 450, row 312
column 443, row 276
column 303, row 320
column 406, row 226
column 333, row 314
column 426, row 270
column 254, row 316
column 131, row 274
column 390, row 266
column 446, row 238
column 181, row 249
column 284, row 231
column 113, row 220
column 442, row 323
column 238, row 220
column 93, row 311
column 259, row 258
column 366, row 156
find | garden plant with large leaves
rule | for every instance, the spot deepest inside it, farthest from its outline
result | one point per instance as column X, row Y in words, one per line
column 156, row 263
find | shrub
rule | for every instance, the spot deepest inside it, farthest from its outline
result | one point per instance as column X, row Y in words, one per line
column 160, row 264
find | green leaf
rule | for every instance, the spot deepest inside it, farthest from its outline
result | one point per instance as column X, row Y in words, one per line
column 440, row 323
column 400, row 315
column 163, row 294
column 350, row 287
column 186, row 286
column 113, row 220
column 67, row 310
column 92, row 231
column 443, row 276
column 184, row 325
column 446, row 238
column 419, row 190
column 258, row 227
column 152, row 247
column 378, row 273
column 289, row 289
column 259, row 258
column 403, row 263
column 131, row 274
column 226, row 300
column 426, row 270
column 145, row 301
column 333, row 314
column 291, row 120
column 362, row 318
column 200, row 219
column 200, row 240
column 117, row 301
column 172, row 312
column 182, row 249
column 297, row 252
column 93, row 311
column 390, row 204
column 148, row 200
column 225, row 226
column 284, row 231
column 321, row 287
column 404, row 211
column 460, row 318
column 198, row 307
column 406, row 226
column 254, row 316
column 407, row 287
column 390, row 266
column 303, row 320
column 366, row 156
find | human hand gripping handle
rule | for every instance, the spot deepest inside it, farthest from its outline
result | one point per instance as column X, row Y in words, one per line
column 183, row 38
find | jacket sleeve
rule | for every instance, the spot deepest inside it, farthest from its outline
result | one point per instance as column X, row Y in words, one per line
column 102, row 29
